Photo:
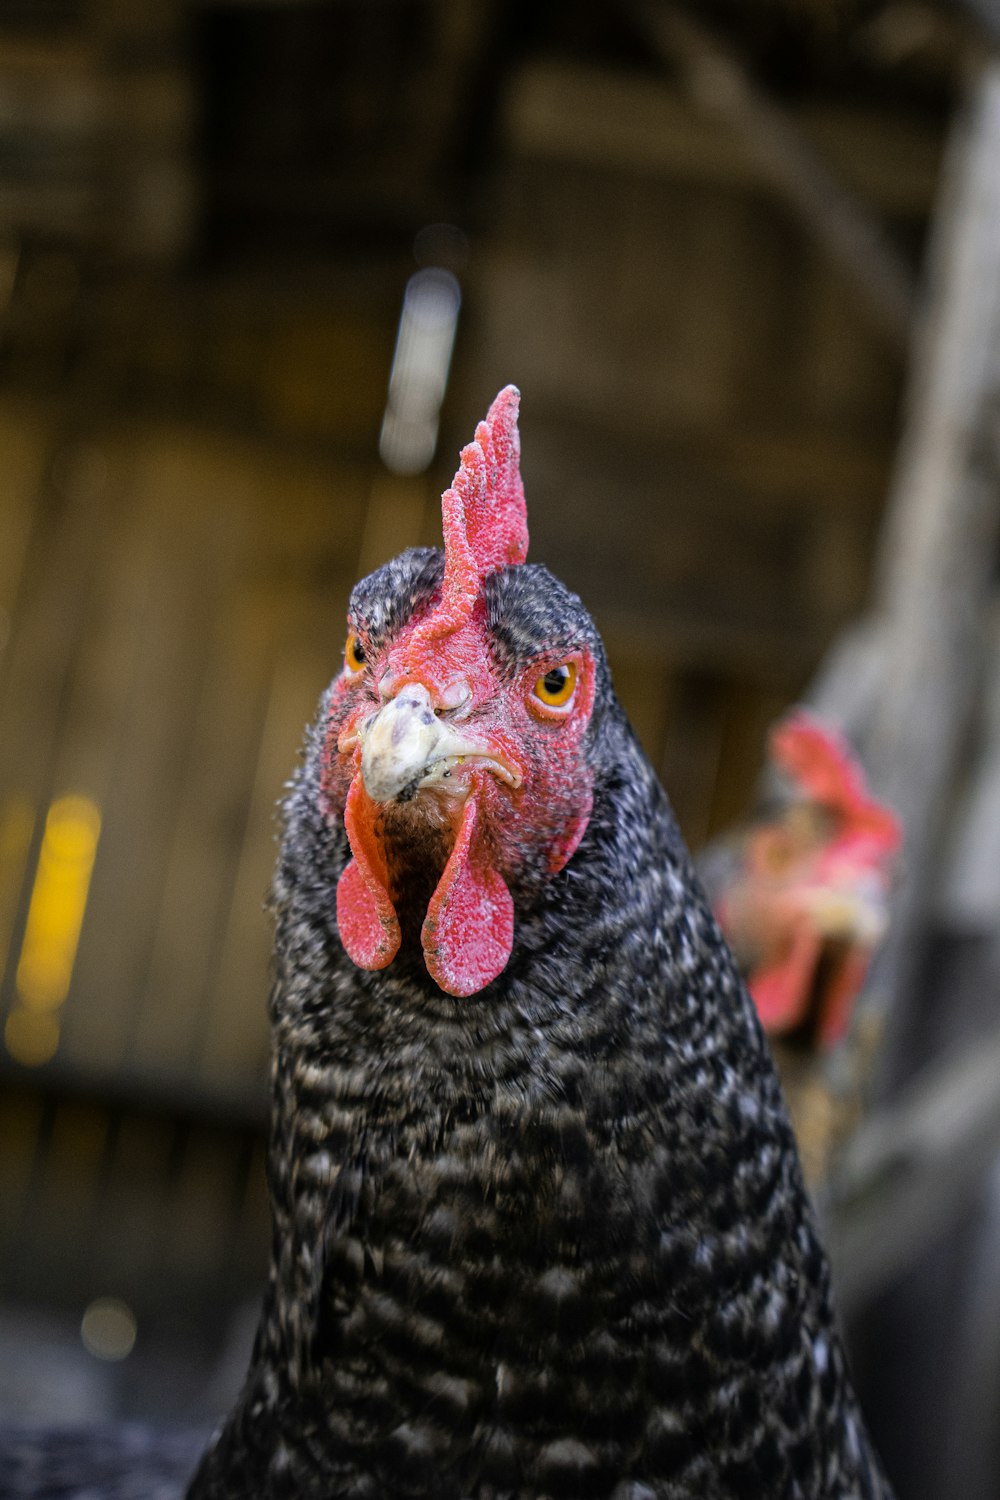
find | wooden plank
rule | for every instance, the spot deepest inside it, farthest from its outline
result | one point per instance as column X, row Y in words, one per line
column 767, row 465
column 717, row 84
column 690, row 551
column 751, row 710
column 641, row 681
column 307, row 527
column 44, row 585
column 65, row 1193
column 967, row 891
column 135, row 1211
column 86, row 760
column 56, row 575
column 660, row 326
column 235, row 1040
column 306, row 393
column 17, row 832
column 615, row 121
column 214, row 775
column 940, row 540
column 911, row 1170
column 24, row 441
column 253, row 1225
column 204, row 846
column 693, row 750
column 20, row 1132
column 182, row 551
column 164, row 718
column 965, row 1411
column 839, row 383
column 394, row 519
column 200, row 1209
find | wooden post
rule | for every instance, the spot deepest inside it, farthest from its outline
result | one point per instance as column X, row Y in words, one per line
column 940, row 538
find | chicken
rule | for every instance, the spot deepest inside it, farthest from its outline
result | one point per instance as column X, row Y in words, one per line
column 539, row 1225
column 807, row 902
column 803, row 899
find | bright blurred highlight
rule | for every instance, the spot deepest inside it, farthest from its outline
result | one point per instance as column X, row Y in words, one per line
column 420, row 367
column 31, row 1036
column 58, row 902
column 109, row 1328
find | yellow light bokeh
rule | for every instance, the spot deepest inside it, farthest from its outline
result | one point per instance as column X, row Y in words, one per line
column 31, row 1038
column 52, row 931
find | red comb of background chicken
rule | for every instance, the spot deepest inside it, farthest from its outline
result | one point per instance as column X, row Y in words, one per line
column 818, row 758
column 809, row 901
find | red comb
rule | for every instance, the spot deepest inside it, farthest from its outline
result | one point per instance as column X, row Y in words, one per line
column 820, row 760
column 484, row 515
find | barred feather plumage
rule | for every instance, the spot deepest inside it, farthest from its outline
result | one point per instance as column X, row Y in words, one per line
column 550, row 1239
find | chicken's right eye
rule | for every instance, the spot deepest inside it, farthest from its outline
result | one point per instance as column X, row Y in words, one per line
column 556, row 686
column 354, row 653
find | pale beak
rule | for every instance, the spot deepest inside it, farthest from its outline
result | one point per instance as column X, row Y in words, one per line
column 406, row 746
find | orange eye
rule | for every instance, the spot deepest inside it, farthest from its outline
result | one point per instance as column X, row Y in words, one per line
column 555, row 687
column 354, row 653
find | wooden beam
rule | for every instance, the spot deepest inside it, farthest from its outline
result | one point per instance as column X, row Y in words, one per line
column 718, row 85
column 911, row 1170
column 617, row 121
column 940, row 540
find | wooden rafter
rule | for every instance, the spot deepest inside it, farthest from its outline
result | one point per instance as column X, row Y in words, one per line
column 718, row 84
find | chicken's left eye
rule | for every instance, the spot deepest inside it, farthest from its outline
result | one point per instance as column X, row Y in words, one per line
column 354, row 653
column 555, row 687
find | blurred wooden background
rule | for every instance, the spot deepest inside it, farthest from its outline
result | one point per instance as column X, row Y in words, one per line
column 208, row 214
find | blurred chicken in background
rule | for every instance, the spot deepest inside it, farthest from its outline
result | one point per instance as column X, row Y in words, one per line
column 803, row 898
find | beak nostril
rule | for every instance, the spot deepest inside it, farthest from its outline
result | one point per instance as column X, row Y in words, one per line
column 454, row 701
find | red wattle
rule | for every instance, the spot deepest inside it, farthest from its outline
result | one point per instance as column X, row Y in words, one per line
column 468, row 932
column 369, row 927
column 781, row 990
column 845, row 984
column 565, row 847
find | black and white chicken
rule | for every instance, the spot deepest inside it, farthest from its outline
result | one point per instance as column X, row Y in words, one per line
column 539, row 1222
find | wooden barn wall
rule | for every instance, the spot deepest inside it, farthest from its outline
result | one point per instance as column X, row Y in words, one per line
column 167, row 646
column 707, row 428
column 708, row 409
